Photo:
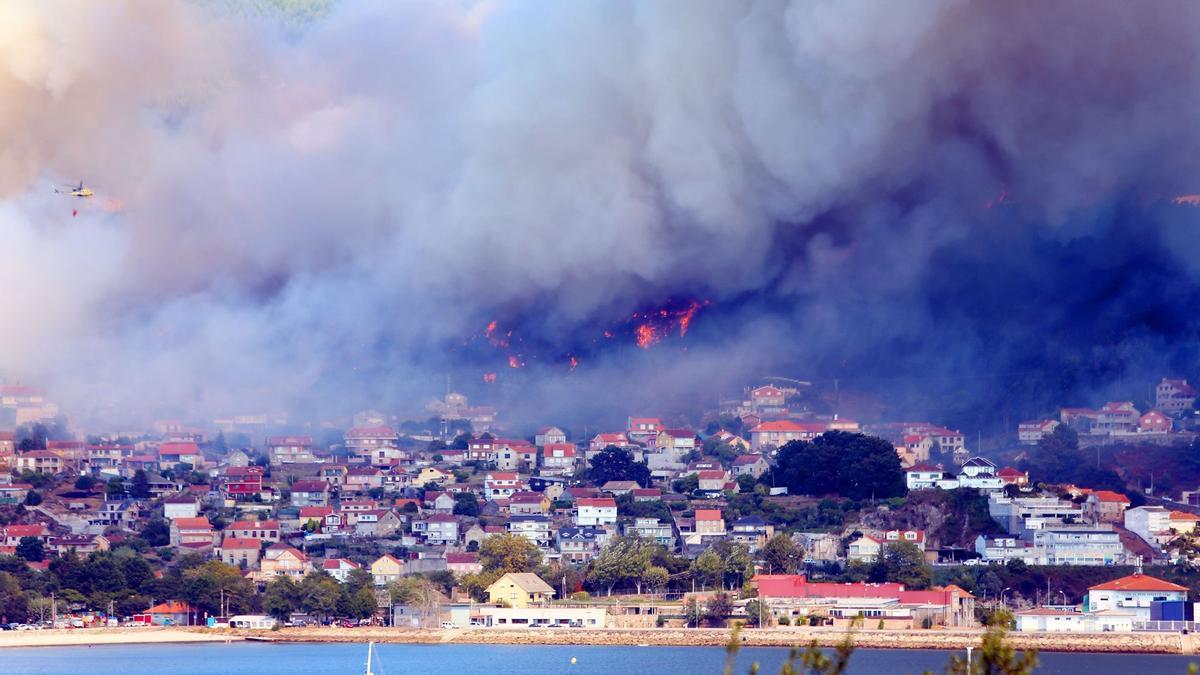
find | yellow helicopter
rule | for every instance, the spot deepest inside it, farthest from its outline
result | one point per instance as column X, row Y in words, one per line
column 75, row 191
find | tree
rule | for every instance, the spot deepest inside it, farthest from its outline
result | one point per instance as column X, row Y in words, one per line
column 718, row 607
column 904, row 563
column 416, row 592
column 281, row 597
column 114, row 488
column 707, row 568
column 218, row 588
column 33, row 498
column 319, row 594
column 656, row 578
column 505, row 553
column 13, row 603
column 782, row 555
column 465, row 504
column 613, row 463
column 140, row 488
column 363, row 604
column 624, row 560
column 849, row 464
column 746, row 483
column 358, row 578
column 157, row 532
column 756, row 612
column 31, row 549
column 692, row 612
column 85, row 482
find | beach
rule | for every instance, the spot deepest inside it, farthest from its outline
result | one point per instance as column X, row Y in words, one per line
column 955, row 640
column 62, row 637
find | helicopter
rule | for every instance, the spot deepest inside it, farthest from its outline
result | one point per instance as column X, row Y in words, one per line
column 75, row 191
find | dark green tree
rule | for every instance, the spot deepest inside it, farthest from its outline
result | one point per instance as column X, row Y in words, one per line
column 140, row 488
column 613, row 463
column 782, row 555
column 849, row 464
column 31, row 549
column 465, row 504
column 157, row 532
column 903, row 563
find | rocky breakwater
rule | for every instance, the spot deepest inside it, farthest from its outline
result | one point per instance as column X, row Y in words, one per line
column 950, row 640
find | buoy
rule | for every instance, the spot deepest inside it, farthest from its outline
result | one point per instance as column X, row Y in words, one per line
column 572, row 660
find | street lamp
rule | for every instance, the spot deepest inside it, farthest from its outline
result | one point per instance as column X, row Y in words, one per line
column 1007, row 589
column 1064, row 597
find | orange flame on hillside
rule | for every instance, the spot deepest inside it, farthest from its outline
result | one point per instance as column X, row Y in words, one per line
column 574, row 362
column 514, row 362
column 1190, row 200
column 489, row 377
column 646, row 335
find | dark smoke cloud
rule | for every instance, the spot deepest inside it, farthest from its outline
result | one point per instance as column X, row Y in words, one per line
column 320, row 216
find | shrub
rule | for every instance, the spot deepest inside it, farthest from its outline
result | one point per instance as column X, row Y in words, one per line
column 785, row 621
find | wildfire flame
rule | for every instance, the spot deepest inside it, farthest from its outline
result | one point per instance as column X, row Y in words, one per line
column 658, row 324
column 514, row 362
column 1190, row 200
column 646, row 335
column 574, row 362
column 489, row 377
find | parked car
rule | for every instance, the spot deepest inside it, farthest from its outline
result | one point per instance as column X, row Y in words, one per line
column 448, row 625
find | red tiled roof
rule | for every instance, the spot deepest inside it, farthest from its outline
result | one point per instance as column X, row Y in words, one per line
column 922, row 468
column 1110, row 496
column 252, row 525
column 37, row 530
column 461, row 558
column 178, row 448
column 708, row 514
column 597, row 502
column 200, row 523
column 1137, row 582
column 238, row 544
column 745, row 460
column 315, row 511
column 712, row 475
column 170, row 607
column 1008, row 471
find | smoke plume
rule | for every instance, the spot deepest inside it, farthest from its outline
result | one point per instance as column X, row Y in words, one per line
column 318, row 207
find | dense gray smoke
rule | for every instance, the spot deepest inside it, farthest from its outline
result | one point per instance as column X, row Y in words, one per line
column 965, row 206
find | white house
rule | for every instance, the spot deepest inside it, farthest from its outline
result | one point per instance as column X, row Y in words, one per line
column 1053, row 620
column 596, row 511
column 1151, row 523
column 922, row 477
column 1132, row 594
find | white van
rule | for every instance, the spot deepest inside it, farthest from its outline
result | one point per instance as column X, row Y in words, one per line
column 258, row 621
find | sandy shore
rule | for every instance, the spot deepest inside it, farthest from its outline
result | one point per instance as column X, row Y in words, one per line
column 957, row 640
column 105, row 636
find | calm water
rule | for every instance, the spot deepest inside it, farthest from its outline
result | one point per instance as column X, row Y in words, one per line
column 329, row 659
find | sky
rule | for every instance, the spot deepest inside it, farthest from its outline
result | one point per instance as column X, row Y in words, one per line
column 318, row 207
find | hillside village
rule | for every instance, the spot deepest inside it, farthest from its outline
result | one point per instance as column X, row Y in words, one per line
column 768, row 513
